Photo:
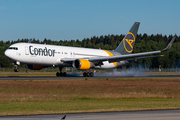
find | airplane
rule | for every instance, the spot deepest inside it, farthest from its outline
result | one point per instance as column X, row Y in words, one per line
column 39, row 56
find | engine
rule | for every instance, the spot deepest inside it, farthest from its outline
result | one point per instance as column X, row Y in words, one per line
column 82, row 64
column 35, row 67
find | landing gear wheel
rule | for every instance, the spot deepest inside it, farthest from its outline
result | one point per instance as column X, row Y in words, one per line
column 85, row 74
column 57, row 74
column 91, row 74
column 16, row 70
column 61, row 74
column 88, row 74
column 64, row 73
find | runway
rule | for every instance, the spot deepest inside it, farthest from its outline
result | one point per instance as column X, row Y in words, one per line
column 132, row 115
column 76, row 77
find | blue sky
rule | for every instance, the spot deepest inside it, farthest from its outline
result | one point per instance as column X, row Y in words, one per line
column 78, row 19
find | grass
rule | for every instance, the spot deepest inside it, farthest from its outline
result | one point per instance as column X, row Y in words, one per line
column 84, row 105
column 27, row 73
column 24, row 97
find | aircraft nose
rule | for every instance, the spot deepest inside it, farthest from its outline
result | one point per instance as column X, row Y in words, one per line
column 7, row 53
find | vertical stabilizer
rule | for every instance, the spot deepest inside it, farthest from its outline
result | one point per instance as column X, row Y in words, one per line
column 127, row 44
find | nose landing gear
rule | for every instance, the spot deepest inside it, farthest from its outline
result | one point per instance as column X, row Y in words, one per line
column 15, row 65
column 16, row 69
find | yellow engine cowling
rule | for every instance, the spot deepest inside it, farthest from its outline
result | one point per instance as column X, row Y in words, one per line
column 35, row 67
column 82, row 64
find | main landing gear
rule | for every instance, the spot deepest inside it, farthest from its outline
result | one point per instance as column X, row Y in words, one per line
column 63, row 74
column 88, row 74
column 58, row 74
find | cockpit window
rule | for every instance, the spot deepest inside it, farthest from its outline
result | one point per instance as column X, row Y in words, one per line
column 14, row 48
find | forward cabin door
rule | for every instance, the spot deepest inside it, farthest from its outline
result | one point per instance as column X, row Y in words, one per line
column 26, row 50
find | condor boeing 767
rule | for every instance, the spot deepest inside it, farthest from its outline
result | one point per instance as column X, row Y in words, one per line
column 38, row 56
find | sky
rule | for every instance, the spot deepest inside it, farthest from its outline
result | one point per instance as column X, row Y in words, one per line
column 79, row 19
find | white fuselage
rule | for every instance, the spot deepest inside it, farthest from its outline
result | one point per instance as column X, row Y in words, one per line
column 51, row 55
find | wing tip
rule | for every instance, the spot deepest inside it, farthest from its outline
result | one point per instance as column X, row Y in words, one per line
column 169, row 45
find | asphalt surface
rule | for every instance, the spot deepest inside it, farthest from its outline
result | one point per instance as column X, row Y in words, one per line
column 78, row 77
column 133, row 115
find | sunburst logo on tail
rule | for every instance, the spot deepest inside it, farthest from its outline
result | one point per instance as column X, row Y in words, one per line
column 128, row 42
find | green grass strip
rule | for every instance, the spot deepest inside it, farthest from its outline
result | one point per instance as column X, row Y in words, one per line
column 86, row 105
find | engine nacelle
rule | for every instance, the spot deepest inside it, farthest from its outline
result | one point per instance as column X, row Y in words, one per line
column 35, row 67
column 82, row 64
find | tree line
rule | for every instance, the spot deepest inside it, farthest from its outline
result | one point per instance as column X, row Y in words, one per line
column 144, row 43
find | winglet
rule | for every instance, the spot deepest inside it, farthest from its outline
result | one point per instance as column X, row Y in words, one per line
column 169, row 45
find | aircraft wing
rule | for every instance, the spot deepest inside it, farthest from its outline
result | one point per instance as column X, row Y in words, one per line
column 124, row 57
column 131, row 56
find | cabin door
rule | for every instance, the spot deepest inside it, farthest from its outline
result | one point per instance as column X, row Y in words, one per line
column 26, row 50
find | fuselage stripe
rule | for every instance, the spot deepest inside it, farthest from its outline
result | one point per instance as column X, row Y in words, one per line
column 110, row 54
